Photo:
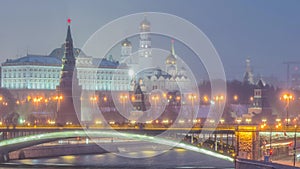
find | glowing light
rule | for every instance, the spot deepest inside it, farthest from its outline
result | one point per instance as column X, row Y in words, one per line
column 132, row 98
column 220, row 98
column 164, row 95
column 149, row 122
column 235, row 97
column 80, row 133
column 288, row 96
column 212, row 121
column 165, row 121
column 248, row 120
column 181, row 121
column 205, row 98
column 131, row 73
column 98, row 122
column 69, row 20
column 132, row 121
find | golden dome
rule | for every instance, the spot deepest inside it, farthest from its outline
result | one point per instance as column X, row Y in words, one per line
column 126, row 42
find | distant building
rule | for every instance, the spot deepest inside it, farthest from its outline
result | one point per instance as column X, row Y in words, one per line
column 248, row 76
column 43, row 72
column 31, row 72
column 172, row 77
column 145, row 39
column 260, row 107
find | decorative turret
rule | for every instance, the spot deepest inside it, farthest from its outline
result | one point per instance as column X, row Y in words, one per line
column 126, row 49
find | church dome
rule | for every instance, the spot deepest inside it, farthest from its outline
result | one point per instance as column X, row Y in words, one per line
column 126, row 43
column 145, row 25
column 171, row 59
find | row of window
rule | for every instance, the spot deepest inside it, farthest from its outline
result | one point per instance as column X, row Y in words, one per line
column 31, row 70
column 30, row 85
column 37, row 75
column 31, row 80
column 53, row 86
column 106, row 87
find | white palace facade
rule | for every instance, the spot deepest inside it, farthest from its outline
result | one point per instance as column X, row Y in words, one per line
column 42, row 72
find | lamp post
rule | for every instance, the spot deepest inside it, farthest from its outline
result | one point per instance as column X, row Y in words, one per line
column 287, row 97
column 295, row 142
column 235, row 98
column 58, row 98
column 123, row 98
column 93, row 99
column 155, row 98
column 192, row 97
column 219, row 99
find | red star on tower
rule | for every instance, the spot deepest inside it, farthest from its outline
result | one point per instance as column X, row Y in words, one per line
column 69, row 21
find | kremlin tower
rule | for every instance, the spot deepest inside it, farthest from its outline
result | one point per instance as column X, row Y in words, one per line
column 68, row 91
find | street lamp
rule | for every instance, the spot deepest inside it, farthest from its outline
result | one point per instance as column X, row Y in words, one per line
column 93, row 99
column 235, row 98
column 58, row 98
column 287, row 97
column 205, row 99
column 123, row 98
column 295, row 142
column 155, row 98
column 219, row 99
column 192, row 97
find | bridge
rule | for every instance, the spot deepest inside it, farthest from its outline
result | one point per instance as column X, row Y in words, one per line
column 14, row 139
column 18, row 143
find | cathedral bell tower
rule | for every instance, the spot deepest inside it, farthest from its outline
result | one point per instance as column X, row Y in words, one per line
column 145, row 40
column 171, row 61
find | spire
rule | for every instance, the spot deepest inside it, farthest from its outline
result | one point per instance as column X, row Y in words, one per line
column 69, row 37
column 68, row 58
column 172, row 47
column 248, row 76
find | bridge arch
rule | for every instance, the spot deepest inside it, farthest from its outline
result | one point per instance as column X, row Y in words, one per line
column 17, row 143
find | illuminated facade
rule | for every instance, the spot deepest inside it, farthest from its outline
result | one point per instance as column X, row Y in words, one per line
column 172, row 77
column 38, row 72
column 43, row 73
column 31, row 72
